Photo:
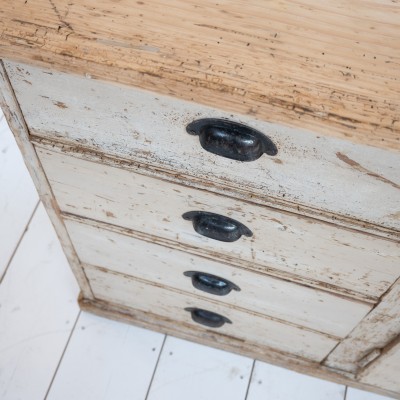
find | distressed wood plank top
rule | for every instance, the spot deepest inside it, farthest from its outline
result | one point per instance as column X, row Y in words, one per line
column 332, row 67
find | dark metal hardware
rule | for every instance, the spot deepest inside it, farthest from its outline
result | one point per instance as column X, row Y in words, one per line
column 207, row 318
column 217, row 226
column 231, row 139
column 211, row 283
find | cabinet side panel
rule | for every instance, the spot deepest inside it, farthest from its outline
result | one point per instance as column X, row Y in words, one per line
column 384, row 372
column 376, row 330
column 17, row 125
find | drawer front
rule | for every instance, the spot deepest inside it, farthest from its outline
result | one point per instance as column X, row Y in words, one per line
column 325, row 174
column 126, row 291
column 282, row 243
column 311, row 308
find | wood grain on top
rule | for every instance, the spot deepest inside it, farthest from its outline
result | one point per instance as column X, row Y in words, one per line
column 332, row 67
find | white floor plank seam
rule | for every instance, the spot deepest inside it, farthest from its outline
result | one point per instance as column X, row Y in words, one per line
column 158, row 360
column 251, row 377
column 18, row 243
column 62, row 356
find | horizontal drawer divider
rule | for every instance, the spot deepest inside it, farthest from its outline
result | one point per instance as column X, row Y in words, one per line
column 212, row 302
column 171, row 289
column 339, row 291
column 65, row 146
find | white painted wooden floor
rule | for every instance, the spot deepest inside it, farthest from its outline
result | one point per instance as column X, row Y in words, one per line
column 51, row 350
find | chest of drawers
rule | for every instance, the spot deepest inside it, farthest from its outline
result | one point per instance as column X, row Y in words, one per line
column 217, row 181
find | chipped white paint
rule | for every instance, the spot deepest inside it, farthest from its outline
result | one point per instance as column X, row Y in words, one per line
column 167, row 303
column 304, row 306
column 326, row 175
column 282, row 243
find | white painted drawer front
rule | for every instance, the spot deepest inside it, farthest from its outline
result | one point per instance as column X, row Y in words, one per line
column 326, row 174
column 122, row 290
column 282, row 243
column 287, row 301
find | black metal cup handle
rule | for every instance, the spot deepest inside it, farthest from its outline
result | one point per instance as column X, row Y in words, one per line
column 231, row 139
column 211, row 284
column 207, row 318
column 217, row 226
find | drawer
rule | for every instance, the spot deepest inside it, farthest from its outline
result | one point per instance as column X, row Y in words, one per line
column 283, row 244
column 314, row 174
column 311, row 308
column 156, row 300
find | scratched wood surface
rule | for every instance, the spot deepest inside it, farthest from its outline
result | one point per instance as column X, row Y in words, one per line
column 311, row 174
column 282, row 244
column 330, row 66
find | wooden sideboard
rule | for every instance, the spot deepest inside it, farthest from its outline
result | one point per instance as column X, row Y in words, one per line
column 227, row 172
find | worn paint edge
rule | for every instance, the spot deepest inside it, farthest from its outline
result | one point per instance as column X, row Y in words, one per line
column 320, row 216
column 215, row 340
column 18, row 126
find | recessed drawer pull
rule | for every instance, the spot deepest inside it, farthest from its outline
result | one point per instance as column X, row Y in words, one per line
column 211, row 283
column 231, row 139
column 217, row 226
column 207, row 318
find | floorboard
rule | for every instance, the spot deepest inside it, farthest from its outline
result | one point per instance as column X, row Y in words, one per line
column 192, row 371
column 106, row 360
column 37, row 312
column 355, row 394
column 18, row 196
column 270, row 382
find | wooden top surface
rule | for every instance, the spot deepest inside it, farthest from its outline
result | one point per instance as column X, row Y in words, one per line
column 332, row 67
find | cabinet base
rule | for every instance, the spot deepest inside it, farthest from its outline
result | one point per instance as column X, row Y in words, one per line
column 224, row 342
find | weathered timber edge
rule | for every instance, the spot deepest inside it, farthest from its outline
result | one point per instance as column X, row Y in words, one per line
column 330, row 67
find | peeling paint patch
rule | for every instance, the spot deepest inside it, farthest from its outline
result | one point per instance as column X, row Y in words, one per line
column 60, row 104
column 359, row 167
